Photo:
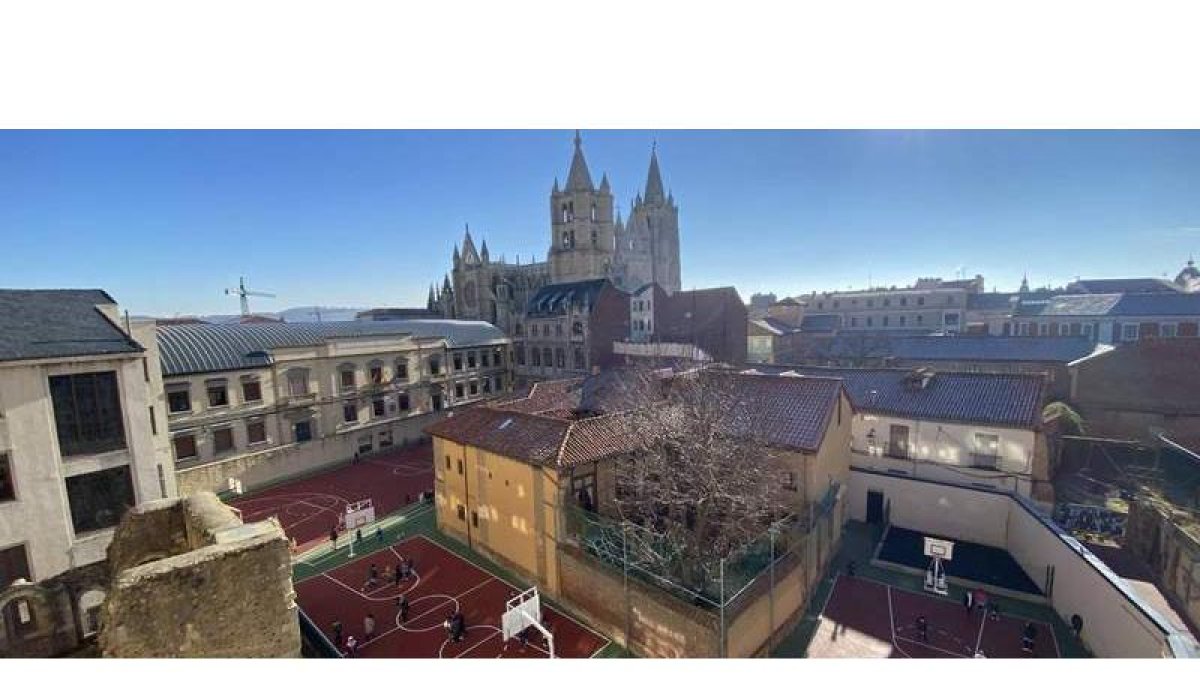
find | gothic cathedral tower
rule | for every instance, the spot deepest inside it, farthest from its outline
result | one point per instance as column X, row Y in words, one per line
column 648, row 243
column 581, row 230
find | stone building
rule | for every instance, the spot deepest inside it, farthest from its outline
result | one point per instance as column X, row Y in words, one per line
column 82, row 438
column 568, row 329
column 261, row 403
column 82, row 428
column 711, row 320
column 588, row 240
column 929, row 305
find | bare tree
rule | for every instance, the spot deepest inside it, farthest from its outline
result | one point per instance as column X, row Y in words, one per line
column 697, row 483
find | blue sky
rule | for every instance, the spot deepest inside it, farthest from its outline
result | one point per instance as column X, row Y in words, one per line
column 166, row 220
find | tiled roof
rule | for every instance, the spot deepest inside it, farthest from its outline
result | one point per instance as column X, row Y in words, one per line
column 791, row 412
column 202, row 348
column 545, row 396
column 38, row 324
column 1069, row 305
column 992, row 348
column 1144, row 285
column 554, row 299
column 528, row 438
column 1157, row 304
column 594, row 438
column 984, row 398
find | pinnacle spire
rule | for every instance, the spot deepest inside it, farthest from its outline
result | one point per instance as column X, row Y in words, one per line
column 654, row 184
column 483, row 252
column 604, row 183
column 579, row 180
column 468, row 253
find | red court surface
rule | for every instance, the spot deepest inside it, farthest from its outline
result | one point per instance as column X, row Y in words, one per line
column 309, row 507
column 444, row 582
column 864, row 618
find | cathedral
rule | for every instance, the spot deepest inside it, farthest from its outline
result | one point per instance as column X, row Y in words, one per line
column 586, row 242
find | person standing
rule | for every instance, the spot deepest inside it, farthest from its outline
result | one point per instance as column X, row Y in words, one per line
column 351, row 646
column 369, row 627
column 923, row 628
column 402, row 603
column 337, row 634
column 333, row 537
column 379, row 535
column 1028, row 636
column 969, row 601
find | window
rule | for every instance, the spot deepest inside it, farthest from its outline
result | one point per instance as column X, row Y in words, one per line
column 346, row 378
column 987, row 451
column 376, row 373
column 898, row 441
column 558, row 329
column 547, row 357
column 251, row 391
column 498, row 357
column 1129, row 331
column 475, row 514
column 385, row 438
column 460, row 467
column 1087, row 329
column 533, row 330
column 484, row 359
column 789, row 481
column 256, row 432
column 8, row 490
column 903, row 320
column 302, row 431
column 179, row 401
column 904, row 302
column 462, row 512
column 470, row 359
column 223, row 440
column 487, row 385
column 920, row 319
column 870, row 322
column 474, row 387
column 1043, row 329
column 887, row 302
column 577, row 328
column 579, row 362
column 377, row 407
column 146, row 369
column 350, row 412
column 436, row 401
column 535, row 356
column 458, row 362
column 1168, row 330
column 14, row 564
column 162, row 481
column 99, row 499
column 560, row 358
column 951, row 318
column 185, row 446
column 403, row 401
column 885, row 320
column 402, row 370
column 920, row 302
column 218, row 395
column 854, row 322
column 459, row 392
column 298, row 383
column 365, row 444
column 447, row 462
column 870, row 303
column 87, row 413
column 820, row 305
column 435, row 366
column 153, row 422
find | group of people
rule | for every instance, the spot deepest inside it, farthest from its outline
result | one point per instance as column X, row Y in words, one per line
column 403, row 571
column 978, row 600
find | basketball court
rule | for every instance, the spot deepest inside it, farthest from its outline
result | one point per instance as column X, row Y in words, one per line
column 864, row 619
column 307, row 508
column 442, row 583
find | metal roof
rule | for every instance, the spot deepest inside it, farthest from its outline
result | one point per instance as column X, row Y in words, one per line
column 202, row 348
column 556, row 298
column 993, row 348
column 1113, row 304
column 38, row 324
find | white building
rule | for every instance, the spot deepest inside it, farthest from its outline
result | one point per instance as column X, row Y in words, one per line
column 977, row 429
column 82, row 429
column 264, row 402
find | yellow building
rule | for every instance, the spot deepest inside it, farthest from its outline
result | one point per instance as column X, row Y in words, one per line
column 503, row 472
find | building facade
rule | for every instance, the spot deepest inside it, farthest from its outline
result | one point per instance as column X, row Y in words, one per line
column 929, row 305
column 262, row 403
column 82, row 431
column 588, row 240
column 568, row 329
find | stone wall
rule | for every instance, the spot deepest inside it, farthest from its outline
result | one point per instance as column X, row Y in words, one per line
column 47, row 618
column 660, row 625
column 1158, row 535
column 227, row 593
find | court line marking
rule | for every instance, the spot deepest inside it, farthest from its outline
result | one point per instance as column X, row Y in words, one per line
column 486, row 639
column 397, row 628
column 437, row 605
column 892, row 623
column 982, row 624
column 933, row 647
column 560, row 612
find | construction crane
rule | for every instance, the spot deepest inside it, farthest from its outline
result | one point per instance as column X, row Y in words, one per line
column 243, row 294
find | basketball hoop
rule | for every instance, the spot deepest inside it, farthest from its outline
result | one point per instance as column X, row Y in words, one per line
column 520, row 613
column 937, row 550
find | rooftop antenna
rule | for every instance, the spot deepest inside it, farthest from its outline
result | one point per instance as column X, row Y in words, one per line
column 317, row 313
column 243, row 294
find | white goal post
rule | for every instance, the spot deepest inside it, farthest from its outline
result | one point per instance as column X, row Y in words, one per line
column 520, row 613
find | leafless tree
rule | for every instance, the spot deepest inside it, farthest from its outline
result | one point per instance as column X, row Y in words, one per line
column 697, row 484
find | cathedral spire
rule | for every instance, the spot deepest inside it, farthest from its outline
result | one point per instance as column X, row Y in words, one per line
column 654, row 184
column 604, row 188
column 432, row 301
column 579, row 180
column 483, row 252
column 469, row 254
column 1024, row 283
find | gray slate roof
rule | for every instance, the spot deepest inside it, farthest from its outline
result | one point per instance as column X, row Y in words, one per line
column 1114, row 304
column 982, row 398
column 1142, row 285
column 38, row 324
column 554, row 299
column 820, row 323
column 204, row 348
column 993, row 348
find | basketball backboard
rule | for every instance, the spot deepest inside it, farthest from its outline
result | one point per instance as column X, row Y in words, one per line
column 942, row 549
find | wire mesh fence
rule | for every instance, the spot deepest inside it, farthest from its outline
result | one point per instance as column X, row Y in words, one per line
column 725, row 587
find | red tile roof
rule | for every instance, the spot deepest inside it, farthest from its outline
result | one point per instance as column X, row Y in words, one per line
column 528, row 438
column 546, row 396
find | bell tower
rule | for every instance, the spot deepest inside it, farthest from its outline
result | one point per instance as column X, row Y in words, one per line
column 581, row 224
